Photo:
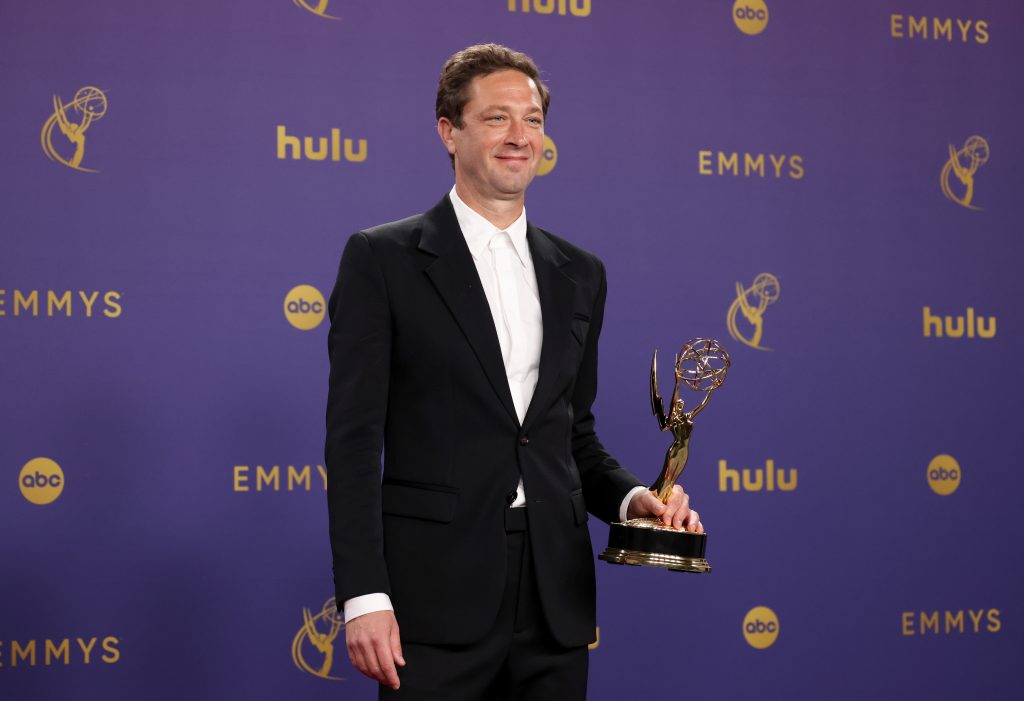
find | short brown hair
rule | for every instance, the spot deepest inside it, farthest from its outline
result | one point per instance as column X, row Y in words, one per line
column 478, row 60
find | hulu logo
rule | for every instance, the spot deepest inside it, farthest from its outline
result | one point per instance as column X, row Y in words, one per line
column 768, row 479
column 958, row 326
column 318, row 148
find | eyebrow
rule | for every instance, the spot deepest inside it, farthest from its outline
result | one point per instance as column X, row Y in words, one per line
column 506, row 108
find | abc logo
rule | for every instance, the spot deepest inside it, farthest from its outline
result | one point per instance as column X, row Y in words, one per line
column 548, row 157
column 41, row 481
column 944, row 475
column 760, row 627
column 750, row 16
column 304, row 307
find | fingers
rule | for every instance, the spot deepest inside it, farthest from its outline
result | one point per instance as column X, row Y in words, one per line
column 386, row 663
column 652, row 505
column 374, row 659
column 678, row 508
column 693, row 523
column 676, row 513
column 360, row 654
column 372, row 641
column 679, row 515
column 396, row 647
column 645, row 503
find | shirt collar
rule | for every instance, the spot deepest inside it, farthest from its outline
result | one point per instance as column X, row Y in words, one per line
column 478, row 231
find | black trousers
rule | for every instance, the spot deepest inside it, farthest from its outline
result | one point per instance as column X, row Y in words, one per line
column 518, row 660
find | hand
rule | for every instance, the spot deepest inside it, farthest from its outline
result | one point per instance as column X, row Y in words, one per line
column 677, row 513
column 374, row 647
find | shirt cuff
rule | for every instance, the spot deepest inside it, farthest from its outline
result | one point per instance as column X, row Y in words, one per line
column 624, row 506
column 367, row 603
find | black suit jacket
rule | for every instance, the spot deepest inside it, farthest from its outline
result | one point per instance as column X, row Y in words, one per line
column 416, row 371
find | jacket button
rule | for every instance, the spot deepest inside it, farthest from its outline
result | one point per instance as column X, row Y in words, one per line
column 524, row 441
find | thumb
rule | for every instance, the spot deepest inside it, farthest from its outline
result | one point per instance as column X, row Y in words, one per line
column 396, row 646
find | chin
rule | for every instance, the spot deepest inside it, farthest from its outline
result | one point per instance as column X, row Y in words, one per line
column 514, row 188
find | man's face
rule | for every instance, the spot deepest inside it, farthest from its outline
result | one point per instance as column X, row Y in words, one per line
column 498, row 149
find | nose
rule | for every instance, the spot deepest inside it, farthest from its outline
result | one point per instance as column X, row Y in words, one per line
column 517, row 134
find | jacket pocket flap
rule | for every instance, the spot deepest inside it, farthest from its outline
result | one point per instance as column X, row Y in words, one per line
column 579, row 507
column 430, row 504
column 579, row 329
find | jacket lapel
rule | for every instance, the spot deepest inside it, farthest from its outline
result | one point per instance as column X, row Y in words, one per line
column 557, row 292
column 454, row 275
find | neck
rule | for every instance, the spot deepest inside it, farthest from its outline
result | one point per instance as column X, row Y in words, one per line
column 501, row 213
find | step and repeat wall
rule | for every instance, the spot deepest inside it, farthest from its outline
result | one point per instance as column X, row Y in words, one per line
column 832, row 190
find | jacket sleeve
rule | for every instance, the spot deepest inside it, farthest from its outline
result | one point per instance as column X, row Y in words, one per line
column 605, row 481
column 359, row 346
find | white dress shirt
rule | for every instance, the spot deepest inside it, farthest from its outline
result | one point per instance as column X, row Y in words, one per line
column 505, row 266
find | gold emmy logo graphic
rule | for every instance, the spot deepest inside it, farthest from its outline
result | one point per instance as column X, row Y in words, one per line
column 55, row 302
column 944, row 475
column 752, row 301
column 41, row 481
column 750, row 16
column 278, row 478
column 47, row 652
column 549, row 157
column 711, row 162
column 304, row 307
column 938, row 28
column 319, row 9
column 318, row 632
column 949, row 622
column 88, row 106
column 760, row 627
column 963, row 164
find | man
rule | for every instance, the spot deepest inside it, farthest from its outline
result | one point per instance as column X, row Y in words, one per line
column 463, row 344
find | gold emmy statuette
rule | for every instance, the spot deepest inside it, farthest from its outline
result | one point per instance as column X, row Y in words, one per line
column 701, row 365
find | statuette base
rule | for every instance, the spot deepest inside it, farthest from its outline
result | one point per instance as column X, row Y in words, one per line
column 650, row 543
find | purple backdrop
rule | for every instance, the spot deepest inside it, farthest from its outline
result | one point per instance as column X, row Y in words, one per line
column 175, row 567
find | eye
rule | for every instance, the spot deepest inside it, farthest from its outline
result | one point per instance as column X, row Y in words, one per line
column 536, row 121
column 496, row 118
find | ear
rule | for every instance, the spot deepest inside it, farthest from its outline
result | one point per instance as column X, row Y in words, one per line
column 444, row 130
